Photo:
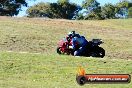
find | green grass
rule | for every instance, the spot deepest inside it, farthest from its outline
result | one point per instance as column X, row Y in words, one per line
column 33, row 62
column 114, row 24
column 19, row 70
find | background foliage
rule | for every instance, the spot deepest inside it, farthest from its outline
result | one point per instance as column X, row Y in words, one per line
column 64, row 9
column 11, row 7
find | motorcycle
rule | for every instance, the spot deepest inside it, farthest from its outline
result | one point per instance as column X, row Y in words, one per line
column 92, row 49
column 63, row 47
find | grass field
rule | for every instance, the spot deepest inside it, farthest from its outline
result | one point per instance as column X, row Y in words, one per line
column 28, row 58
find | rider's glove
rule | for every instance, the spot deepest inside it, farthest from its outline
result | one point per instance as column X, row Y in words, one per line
column 70, row 47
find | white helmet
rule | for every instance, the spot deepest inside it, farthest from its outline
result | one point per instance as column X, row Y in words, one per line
column 72, row 33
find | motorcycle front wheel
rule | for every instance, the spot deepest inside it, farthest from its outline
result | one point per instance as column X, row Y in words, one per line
column 58, row 50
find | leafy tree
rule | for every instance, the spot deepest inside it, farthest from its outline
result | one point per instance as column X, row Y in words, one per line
column 90, row 4
column 62, row 9
column 11, row 7
column 39, row 10
column 123, row 8
column 122, row 4
column 130, row 12
column 93, row 9
column 79, row 16
column 63, row 1
column 108, row 11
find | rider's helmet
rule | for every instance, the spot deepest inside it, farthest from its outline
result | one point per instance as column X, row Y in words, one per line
column 72, row 34
column 68, row 38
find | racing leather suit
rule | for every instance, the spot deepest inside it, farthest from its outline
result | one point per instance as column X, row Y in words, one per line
column 82, row 42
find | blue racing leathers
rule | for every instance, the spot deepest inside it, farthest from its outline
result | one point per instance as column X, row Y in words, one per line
column 82, row 42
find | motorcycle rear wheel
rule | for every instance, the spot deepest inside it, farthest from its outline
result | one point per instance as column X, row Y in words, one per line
column 98, row 52
column 101, row 52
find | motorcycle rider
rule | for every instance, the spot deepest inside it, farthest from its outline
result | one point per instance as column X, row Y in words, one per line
column 76, row 39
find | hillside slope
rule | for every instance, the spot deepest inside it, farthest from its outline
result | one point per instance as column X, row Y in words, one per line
column 28, row 57
column 41, row 35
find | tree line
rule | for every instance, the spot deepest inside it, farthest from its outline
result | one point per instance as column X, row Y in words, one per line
column 64, row 9
column 11, row 7
column 90, row 9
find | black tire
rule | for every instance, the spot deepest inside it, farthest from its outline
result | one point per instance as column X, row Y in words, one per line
column 98, row 52
column 94, row 54
column 101, row 52
column 58, row 50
